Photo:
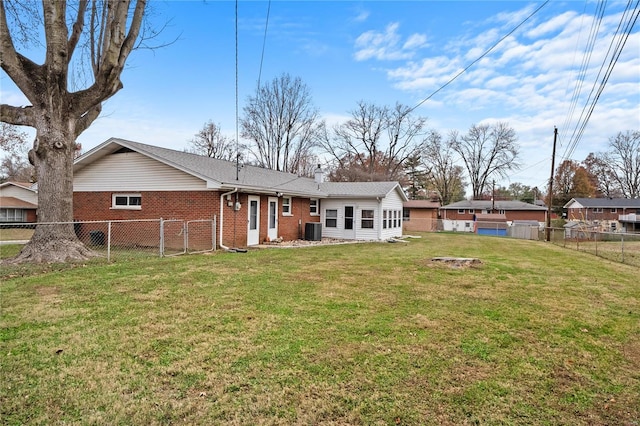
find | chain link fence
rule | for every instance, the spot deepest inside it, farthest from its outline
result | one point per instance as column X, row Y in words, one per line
column 617, row 246
column 126, row 239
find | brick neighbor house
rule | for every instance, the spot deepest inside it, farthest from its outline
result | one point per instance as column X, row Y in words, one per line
column 605, row 214
column 125, row 180
column 18, row 202
column 462, row 215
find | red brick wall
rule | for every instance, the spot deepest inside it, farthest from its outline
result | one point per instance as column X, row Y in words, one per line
column 31, row 215
column 194, row 205
column 591, row 214
column 421, row 220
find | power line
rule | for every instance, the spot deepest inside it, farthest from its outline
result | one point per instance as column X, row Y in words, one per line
column 481, row 56
column 264, row 43
column 628, row 20
column 586, row 58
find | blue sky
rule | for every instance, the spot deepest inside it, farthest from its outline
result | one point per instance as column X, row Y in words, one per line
column 381, row 52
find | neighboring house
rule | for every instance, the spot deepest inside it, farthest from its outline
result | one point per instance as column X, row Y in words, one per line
column 18, row 202
column 125, row 180
column 460, row 216
column 607, row 214
column 420, row 215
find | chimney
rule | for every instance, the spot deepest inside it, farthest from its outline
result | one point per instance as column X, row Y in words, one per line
column 318, row 175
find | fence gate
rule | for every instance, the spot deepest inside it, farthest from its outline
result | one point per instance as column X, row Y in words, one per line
column 173, row 237
column 200, row 236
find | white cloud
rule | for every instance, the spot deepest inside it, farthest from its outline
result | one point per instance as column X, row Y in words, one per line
column 387, row 45
column 361, row 16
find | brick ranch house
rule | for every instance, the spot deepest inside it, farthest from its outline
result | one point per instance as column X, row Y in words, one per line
column 18, row 202
column 125, row 180
column 605, row 214
column 462, row 215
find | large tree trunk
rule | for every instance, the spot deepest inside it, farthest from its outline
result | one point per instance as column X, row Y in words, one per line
column 54, row 239
column 111, row 29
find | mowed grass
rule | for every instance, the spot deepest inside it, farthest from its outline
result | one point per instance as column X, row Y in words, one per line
column 360, row 334
column 9, row 234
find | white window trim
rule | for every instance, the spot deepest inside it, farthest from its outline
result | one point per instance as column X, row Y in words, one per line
column 317, row 212
column 127, row 207
column 289, row 213
column 368, row 220
column 327, row 217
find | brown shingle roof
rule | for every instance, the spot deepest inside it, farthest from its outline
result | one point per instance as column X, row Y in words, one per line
column 421, row 204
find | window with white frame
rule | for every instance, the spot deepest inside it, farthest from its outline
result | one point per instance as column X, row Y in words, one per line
column 12, row 215
column 384, row 219
column 460, row 211
column 126, row 201
column 286, row 206
column 366, row 221
column 614, row 210
column 314, row 207
column 471, row 211
column 331, row 218
column 597, row 210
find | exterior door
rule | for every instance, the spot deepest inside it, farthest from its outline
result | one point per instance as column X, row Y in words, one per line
column 253, row 229
column 349, row 222
column 272, row 228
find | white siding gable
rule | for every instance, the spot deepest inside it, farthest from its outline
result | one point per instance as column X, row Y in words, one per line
column 131, row 171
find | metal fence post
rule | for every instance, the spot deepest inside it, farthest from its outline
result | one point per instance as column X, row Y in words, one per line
column 185, row 236
column 109, row 241
column 161, row 237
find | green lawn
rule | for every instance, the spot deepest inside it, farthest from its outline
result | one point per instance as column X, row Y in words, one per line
column 359, row 334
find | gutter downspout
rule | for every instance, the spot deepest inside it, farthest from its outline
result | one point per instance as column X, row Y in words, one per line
column 379, row 218
column 222, row 216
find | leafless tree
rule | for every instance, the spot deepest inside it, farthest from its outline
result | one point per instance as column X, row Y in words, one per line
column 211, row 142
column 356, row 143
column 283, row 125
column 110, row 30
column 14, row 165
column 602, row 176
column 624, row 161
column 404, row 132
column 375, row 142
column 445, row 177
column 487, row 152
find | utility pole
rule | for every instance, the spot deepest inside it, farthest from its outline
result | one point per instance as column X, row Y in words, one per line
column 493, row 196
column 550, row 197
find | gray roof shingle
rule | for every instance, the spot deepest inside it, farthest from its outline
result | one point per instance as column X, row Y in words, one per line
column 606, row 203
column 249, row 177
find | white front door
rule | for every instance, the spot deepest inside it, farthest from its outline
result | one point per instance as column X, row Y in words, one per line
column 253, row 229
column 272, row 228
